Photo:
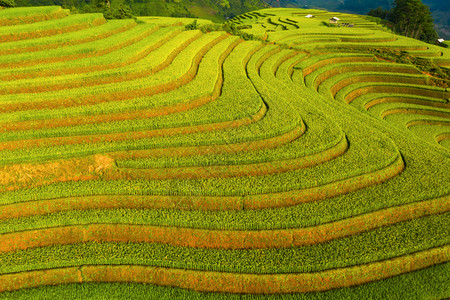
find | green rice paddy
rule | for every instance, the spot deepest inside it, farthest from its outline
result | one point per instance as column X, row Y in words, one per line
column 142, row 160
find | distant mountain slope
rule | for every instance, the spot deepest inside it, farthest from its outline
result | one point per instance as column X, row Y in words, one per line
column 216, row 10
column 439, row 9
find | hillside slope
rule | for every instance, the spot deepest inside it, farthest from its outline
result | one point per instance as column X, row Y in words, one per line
column 439, row 9
column 142, row 160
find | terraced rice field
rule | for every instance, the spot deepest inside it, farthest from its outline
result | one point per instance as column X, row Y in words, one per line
column 142, row 160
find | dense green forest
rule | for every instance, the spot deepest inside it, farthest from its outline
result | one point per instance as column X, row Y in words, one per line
column 216, row 10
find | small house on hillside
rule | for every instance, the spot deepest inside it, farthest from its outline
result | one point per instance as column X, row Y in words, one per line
column 309, row 16
column 440, row 42
column 334, row 20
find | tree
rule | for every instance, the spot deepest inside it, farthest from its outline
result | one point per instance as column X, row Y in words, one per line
column 100, row 4
column 413, row 19
column 7, row 3
column 379, row 12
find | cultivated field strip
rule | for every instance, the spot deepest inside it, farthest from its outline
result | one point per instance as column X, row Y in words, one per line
column 26, row 15
column 212, row 82
column 214, row 281
column 63, row 40
column 348, row 77
column 123, row 57
column 49, row 28
column 138, row 153
column 121, row 91
column 105, row 46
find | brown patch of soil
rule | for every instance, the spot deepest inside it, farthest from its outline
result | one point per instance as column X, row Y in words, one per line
column 13, row 177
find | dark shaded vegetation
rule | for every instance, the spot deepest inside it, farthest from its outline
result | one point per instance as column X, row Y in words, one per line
column 228, row 27
column 424, row 65
column 207, row 9
column 121, row 11
column 410, row 18
column 7, row 3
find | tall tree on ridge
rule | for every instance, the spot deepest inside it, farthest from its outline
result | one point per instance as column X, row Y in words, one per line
column 413, row 19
